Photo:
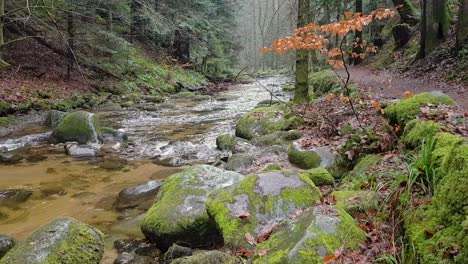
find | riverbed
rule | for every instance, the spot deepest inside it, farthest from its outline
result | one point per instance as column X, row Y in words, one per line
column 178, row 132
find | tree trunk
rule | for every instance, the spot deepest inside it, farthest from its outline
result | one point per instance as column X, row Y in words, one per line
column 462, row 27
column 136, row 23
column 357, row 48
column 434, row 25
column 70, row 43
column 302, row 61
column 408, row 13
column 181, row 47
column 3, row 64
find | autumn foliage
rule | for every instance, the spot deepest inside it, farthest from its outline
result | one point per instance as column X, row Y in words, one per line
column 317, row 37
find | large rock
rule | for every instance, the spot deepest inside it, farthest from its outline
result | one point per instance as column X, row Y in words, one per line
column 259, row 203
column 308, row 159
column 80, row 126
column 64, row 241
column 141, row 196
column 10, row 158
column 226, row 142
column 263, row 121
column 179, row 215
column 311, row 237
column 240, row 162
column 14, row 196
column 6, row 243
column 54, row 118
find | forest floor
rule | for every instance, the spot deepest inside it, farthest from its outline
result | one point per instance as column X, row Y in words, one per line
column 389, row 85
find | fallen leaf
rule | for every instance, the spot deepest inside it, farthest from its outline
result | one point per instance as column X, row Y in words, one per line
column 250, row 239
column 244, row 215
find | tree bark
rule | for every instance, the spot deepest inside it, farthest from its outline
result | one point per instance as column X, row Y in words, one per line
column 408, row 13
column 301, row 93
column 434, row 25
column 357, row 48
column 462, row 27
column 3, row 64
column 70, row 42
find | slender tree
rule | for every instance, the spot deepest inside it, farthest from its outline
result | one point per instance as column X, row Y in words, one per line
column 434, row 25
column 302, row 56
column 462, row 27
column 3, row 64
column 357, row 48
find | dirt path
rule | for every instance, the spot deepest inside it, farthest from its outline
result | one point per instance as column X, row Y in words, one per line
column 388, row 85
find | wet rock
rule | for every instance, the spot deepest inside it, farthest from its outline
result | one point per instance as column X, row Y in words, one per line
column 226, row 142
column 303, row 159
column 277, row 138
column 112, row 163
column 175, row 252
column 243, row 146
column 205, row 257
column 310, row 237
column 63, row 240
column 111, row 135
column 14, row 196
column 10, row 158
column 136, row 252
column 141, row 196
column 179, row 215
column 80, row 126
column 170, row 162
column 6, row 243
column 258, row 203
column 110, row 148
column 261, row 121
column 240, row 162
column 54, row 117
column 80, row 151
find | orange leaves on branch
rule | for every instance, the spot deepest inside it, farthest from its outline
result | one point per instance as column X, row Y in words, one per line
column 316, row 37
column 408, row 94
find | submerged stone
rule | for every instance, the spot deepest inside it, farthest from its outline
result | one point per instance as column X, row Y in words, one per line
column 64, row 241
column 141, row 196
column 258, row 203
column 14, row 196
column 179, row 215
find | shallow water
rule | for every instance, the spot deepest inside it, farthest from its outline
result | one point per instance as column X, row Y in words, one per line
column 181, row 127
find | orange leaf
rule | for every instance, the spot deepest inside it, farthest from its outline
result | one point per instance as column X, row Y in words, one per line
column 408, row 94
column 348, row 15
column 329, row 259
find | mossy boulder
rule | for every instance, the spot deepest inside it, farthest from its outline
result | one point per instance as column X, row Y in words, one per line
column 438, row 229
column 277, row 138
column 179, row 215
column 407, row 109
column 311, row 237
column 226, row 142
column 417, row 131
column 354, row 202
column 80, row 126
column 258, row 203
column 205, row 257
column 263, row 121
column 5, row 108
column 303, row 159
column 62, row 241
column 320, row 176
column 364, row 164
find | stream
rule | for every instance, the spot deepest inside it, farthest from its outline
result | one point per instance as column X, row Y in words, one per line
column 162, row 140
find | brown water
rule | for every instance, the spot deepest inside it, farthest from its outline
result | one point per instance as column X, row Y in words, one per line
column 63, row 186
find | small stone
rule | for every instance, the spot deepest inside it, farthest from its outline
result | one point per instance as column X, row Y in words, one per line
column 175, row 252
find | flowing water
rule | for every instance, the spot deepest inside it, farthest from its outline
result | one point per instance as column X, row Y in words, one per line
column 182, row 130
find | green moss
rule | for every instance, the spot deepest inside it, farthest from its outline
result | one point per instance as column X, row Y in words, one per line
column 417, row 131
column 364, row 164
column 272, row 167
column 407, row 109
column 277, row 138
column 262, row 121
column 5, row 108
column 354, row 202
column 320, row 176
column 226, row 142
column 438, row 229
column 77, row 127
column 80, row 244
column 7, row 120
column 323, row 82
column 303, row 159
